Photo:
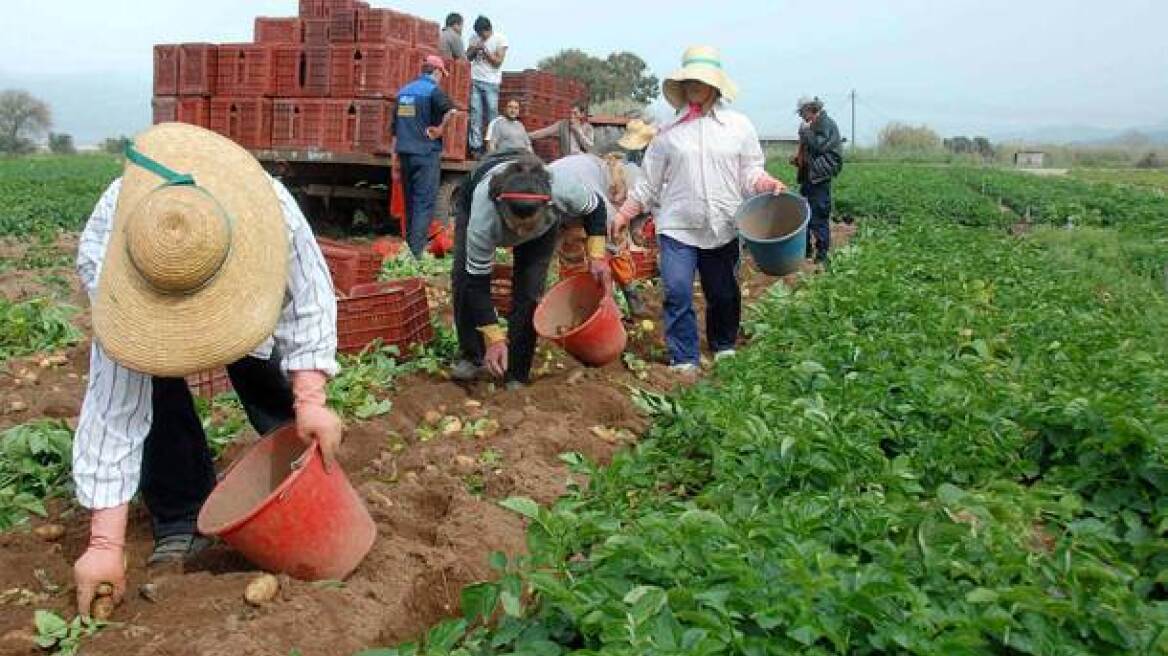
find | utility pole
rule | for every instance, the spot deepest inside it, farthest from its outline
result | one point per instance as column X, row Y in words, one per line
column 852, row 96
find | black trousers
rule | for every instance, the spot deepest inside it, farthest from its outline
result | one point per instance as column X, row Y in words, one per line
column 178, row 471
column 529, row 278
column 819, row 231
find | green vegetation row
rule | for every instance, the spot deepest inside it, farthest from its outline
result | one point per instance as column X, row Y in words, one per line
column 35, row 326
column 954, row 444
column 45, row 195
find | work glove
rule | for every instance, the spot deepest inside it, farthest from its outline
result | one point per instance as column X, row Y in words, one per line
column 104, row 560
column 624, row 216
column 598, row 262
column 495, row 358
column 314, row 421
column 768, row 185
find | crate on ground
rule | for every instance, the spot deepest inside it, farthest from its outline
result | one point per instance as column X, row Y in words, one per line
column 194, row 110
column 302, row 71
column 349, row 265
column 343, row 25
column 209, row 384
column 196, row 69
column 644, row 264
column 323, row 8
column 246, row 121
column 271, row 31
column 358, row 126
column 395, row 312
column 454, row 141
column 166, row 70
column 385, row 26
column 426, row 34
column 246, row 69
column 297, row 123
column 501, row 288
column 367, row 70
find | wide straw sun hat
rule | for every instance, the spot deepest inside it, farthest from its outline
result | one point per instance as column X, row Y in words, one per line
column 704, row 64
column 197, row 262
column 637, row 135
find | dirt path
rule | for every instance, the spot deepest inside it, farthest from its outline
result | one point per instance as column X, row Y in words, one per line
column 433, row 499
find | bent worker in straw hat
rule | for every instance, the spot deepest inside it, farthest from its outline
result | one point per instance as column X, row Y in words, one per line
column 512, row 199
column 194, row 259
column 637, row 137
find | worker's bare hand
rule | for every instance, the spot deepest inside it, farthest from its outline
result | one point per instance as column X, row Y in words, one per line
column 434, row 132
column 617, row 225
column 316, row 423
column 99, row 565
column 496, row 358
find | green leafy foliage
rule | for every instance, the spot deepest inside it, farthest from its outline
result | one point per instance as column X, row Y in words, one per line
column 35, row 461
column 46, row 195
column 35, row 325
column 405, row 266
column 61, row 636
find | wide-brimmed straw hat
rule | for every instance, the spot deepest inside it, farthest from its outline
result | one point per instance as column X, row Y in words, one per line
column 197, row 262
column 704, row 64
column 637, row 135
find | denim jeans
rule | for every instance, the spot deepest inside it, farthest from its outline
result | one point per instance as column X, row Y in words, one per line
column 421, row 175
column 717, row 268
column 484, row 107
column 819, row 229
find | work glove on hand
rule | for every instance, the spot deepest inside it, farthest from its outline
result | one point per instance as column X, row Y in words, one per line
column 624, row 216
column 104, row 560
column 314, row 421
column 495, row 359
column 598, row 261
column 768, row 185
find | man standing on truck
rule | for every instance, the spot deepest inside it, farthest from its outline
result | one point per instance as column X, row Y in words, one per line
column 818, row 160
column 450, row 44
column 486, row 52
column 420, row 118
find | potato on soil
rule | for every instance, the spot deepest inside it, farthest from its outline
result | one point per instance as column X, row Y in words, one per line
column 261, row 590
column 49, row 532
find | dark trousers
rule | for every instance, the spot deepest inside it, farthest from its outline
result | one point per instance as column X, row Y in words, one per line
column 819, row 231
column 178, row 471
column 421, row 175
column 527, row 285
column 717, row 268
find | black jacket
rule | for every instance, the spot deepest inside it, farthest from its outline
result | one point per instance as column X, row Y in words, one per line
column 822, row 150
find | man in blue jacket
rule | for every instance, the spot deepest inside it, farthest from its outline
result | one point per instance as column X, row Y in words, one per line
column 420, row 119
column 818, row 160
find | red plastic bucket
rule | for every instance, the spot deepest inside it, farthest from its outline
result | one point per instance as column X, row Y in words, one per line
column 580, row 316
column 302, row 522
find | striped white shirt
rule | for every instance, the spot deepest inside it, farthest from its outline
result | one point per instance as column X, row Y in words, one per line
column 116, row 415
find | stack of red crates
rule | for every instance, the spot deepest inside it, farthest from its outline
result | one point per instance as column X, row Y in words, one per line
column 323, row 80
column 545, row 99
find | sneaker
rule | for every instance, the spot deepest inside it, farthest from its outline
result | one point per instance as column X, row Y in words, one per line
column 177, row 548
column 465, row 371
column 684, row 368
column 724, row 354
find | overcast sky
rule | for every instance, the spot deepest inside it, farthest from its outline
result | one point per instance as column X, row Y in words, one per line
column 993, row 67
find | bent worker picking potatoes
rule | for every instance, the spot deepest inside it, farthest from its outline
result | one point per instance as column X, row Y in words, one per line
column 194, row 259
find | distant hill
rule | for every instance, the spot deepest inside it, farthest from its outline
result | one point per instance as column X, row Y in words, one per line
column 1085, row 135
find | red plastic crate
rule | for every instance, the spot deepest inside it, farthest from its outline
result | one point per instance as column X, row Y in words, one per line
column 166, row 70
column 367, row 70
column 501, row 288
column 194, row 110
column 246, row 69
column 343, row 25
column 644, row 264
column 385, row 26
column 426, row 34
column 209, row 384
column 271, row 31
column 246, row 121
column 349, row 264
column 316, row 32
column 302, row 71
column 547, row 149
column 297, row 123
column 457, row 85
column 454, row 141
column 196, row 69
column 396, row 312
column 323, row 8
column 358, row 125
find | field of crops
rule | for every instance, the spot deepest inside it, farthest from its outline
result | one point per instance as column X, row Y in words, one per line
column 953, row 442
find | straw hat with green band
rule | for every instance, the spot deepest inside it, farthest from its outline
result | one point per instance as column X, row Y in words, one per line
column 704, row 64
column 197, row 262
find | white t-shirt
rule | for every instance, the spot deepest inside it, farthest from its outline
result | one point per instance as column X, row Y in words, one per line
column 480, row 68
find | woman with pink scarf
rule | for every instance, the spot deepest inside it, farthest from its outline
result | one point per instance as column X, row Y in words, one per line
column 697, row 172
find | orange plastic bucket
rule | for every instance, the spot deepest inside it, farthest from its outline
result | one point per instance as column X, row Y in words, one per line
column 287, row 515
column 580, row 316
